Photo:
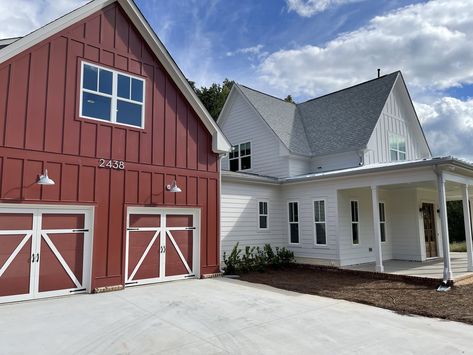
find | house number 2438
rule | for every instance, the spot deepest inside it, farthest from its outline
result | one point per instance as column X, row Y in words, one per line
column 112, row 164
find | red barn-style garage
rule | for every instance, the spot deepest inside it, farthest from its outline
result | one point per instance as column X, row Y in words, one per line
column 109, row 164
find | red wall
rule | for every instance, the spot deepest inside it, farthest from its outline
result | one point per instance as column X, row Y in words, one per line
column 40, row 128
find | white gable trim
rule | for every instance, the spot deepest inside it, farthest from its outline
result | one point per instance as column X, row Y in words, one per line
column 417, row 130
column 232, row 96
column 219, row 143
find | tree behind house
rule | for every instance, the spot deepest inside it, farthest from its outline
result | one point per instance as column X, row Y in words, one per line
column 214, row 96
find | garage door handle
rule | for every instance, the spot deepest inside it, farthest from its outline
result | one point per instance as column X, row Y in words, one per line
column 80, row 230
column 190, row 228
column 132, row 229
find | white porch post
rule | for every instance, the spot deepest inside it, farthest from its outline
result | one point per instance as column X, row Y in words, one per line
column 447, row 267
column 377, row 230
column 467, row 219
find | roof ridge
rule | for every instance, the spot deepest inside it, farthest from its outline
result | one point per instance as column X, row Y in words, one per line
column 265, row 94
column 351, row 87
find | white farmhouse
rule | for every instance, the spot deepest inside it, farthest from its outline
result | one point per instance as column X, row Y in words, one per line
column 342, row 179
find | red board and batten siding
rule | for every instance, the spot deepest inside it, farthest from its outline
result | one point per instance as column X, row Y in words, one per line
column 40, row 128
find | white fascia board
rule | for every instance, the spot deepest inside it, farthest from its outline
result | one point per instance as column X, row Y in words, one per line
column 52, row 28
column 219, row 142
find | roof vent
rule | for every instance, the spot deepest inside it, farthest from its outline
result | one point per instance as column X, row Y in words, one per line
column 379, row 72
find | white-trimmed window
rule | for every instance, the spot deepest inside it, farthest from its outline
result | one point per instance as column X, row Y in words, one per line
column 111, row 96
column 355, row 226
column 319, row 223
column 240, row 157
column 397, row 147
column 382, row 221
column 263, row 215
column 293, row 222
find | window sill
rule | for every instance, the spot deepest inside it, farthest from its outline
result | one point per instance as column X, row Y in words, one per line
column 321, row 246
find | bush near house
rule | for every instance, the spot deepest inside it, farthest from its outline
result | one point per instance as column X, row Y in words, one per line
column 256, row 259
column 458, row 246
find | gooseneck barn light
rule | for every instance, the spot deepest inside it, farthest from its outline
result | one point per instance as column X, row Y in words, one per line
column 44, row 179
column 173, row 187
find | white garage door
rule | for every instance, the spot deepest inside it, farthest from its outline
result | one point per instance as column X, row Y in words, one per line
column 161, row 245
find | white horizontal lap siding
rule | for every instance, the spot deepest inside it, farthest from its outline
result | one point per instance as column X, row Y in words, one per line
column 399, row 118
column 305, row 194
column 334, row 162
column 242, row 124
column 360, row 253
column 299, row 166
column 404, row 224
column 239, row 216
column 356, row 253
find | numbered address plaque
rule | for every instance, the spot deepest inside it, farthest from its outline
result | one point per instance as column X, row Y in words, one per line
column 112, row 164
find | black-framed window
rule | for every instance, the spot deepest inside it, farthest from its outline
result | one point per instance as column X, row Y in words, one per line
column 319, row 223
column 293, row 222
column 263, row 215
column 382, row 221
column 355, row 232
column 240, row 157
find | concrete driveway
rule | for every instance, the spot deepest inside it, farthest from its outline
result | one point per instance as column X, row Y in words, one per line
column 219, row 316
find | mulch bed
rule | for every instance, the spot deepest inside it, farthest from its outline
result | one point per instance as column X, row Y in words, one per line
column 400, row 296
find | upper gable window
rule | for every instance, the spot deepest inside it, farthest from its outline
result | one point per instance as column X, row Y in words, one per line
column 397, row 147
column 112, row 96
column 240, row 157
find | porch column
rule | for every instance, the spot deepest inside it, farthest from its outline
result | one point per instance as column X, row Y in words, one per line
column 377, row 230
column 467, row 219
column 447, row 267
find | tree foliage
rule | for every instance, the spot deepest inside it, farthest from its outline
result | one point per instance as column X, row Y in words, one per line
column 289, row 99
column 214, row 96
column 456, row 224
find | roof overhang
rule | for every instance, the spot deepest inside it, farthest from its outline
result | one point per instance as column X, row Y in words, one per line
column 453, row 169
column 220, row 143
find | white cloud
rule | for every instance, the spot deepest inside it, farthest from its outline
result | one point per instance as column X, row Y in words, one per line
column 20, row 17
column 308, row 8
column 448, row 124
column 255, row 50
column 430, row 42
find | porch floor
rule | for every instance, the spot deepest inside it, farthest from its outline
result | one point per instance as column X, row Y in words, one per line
column 432, row 268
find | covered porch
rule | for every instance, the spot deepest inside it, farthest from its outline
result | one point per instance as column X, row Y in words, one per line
column 398, row 224
column 432, row 268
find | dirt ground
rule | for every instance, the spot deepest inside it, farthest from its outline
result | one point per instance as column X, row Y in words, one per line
column 399, row 296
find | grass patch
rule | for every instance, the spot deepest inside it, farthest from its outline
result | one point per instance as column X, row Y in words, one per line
column 458, row 246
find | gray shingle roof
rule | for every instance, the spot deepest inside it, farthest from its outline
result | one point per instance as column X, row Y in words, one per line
column 281, row 117
column 338, row 122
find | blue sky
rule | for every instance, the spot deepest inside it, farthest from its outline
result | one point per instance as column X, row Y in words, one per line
column 307, row 48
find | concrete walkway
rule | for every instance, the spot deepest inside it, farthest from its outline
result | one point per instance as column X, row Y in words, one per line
column 219, row 316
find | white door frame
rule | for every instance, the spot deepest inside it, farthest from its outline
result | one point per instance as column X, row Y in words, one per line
column 37, row 234
column 162, row 233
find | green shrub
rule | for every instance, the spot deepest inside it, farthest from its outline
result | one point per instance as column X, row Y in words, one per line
column 232, row 263
column 256, row 259
column 458, row 246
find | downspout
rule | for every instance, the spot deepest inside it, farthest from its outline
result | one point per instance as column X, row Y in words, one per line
column 220, row 157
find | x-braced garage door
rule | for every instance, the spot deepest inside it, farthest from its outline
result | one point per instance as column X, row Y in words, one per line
column 161, row 245
column 43, row 252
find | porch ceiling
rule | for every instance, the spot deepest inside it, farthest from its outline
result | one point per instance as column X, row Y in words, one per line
column 453, row 189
